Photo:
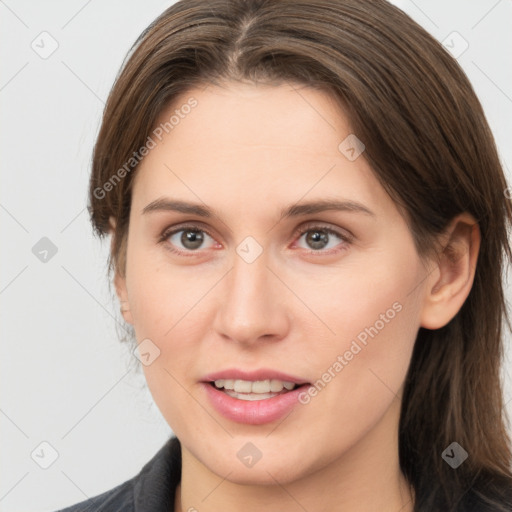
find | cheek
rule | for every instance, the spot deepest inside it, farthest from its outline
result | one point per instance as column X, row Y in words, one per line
column 161, row 297
column 376, row 351
column 167, row 389
column 374, row 319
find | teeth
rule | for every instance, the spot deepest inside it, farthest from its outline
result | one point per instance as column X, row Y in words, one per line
column 258, row 386
column 250, row 396
column 229, row 384
column 243, row 386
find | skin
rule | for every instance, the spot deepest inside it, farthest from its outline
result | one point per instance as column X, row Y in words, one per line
column 247, row 151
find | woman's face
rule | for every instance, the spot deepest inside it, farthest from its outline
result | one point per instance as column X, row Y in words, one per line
column 240, row 270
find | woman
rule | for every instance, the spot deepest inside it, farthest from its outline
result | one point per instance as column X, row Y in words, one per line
column 309, row 227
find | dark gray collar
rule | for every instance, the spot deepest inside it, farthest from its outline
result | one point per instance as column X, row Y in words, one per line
column 155, row 486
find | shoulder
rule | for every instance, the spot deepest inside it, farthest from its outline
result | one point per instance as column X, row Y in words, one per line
column 152, row 489
column 118, row 499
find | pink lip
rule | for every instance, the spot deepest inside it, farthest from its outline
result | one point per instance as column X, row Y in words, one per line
column 252, row 412
column 261, row 374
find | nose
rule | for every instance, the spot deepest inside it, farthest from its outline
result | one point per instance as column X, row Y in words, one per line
column 253, row 305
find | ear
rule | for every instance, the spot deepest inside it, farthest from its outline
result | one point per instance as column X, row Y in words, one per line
column 120, row 281
column 450, row 281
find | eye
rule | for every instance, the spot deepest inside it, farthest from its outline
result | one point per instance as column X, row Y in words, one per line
column 187, row 239
column 321, row 238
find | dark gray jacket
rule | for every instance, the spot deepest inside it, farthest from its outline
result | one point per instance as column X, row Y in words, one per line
column 152, row 490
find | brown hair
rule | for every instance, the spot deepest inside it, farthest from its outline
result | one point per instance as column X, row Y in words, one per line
column 428, row 143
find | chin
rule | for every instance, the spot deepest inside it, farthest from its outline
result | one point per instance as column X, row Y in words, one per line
column 261, row 475
column 285, row 467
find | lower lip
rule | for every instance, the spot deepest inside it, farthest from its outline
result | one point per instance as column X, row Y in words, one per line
column 253, row 412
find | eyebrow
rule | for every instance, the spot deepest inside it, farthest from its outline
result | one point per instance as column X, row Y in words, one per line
column 295, row 210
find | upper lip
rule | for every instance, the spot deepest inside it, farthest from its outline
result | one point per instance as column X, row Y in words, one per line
column 253, row 375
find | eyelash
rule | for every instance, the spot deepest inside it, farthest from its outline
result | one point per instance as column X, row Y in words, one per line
column 298, row 233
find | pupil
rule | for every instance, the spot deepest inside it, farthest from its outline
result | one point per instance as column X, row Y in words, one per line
column 317, row 239
column 192, row 239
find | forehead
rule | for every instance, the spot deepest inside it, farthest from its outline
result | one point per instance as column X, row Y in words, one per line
column 242, row 143
column 243, row 115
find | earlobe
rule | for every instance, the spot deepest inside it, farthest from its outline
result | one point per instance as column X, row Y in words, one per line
column 120, row 281
column 449, row 284
column 112, row 224
column 122, row 294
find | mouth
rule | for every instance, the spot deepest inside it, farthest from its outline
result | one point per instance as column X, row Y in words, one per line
column 253, row 397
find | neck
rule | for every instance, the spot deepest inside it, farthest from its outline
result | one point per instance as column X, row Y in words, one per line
column 365, row 477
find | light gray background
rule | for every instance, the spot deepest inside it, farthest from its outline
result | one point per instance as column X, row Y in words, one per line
column 65, row 377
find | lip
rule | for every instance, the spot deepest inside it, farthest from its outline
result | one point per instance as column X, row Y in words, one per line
column 253, row 412
column 260, row 374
